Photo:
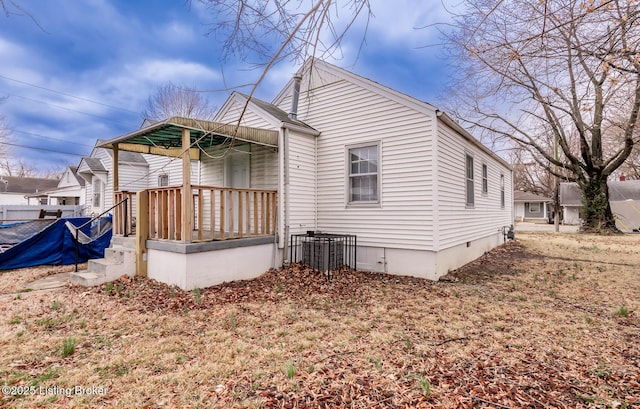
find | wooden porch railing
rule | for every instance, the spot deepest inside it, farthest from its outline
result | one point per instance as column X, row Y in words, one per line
column 219, row 213
column 119, row 219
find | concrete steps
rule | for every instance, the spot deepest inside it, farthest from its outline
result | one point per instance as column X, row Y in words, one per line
column 119, row 259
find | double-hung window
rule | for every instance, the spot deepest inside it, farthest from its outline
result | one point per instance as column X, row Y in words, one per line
column 97, row 192
column 485, row 179
column 469, row 173
column 502, row 191
column 364, row 174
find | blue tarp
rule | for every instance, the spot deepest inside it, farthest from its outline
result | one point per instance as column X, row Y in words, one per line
column 54, row 245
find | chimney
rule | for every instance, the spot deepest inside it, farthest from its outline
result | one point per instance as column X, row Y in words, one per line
column 622, row 178
column 294, row 98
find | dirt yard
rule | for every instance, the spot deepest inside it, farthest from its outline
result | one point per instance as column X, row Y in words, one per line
column 546, row 321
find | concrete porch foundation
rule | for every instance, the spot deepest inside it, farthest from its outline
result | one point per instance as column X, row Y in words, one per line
column 201, row 265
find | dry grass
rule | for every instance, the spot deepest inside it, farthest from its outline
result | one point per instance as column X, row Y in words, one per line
column 550, row 321
column 14, row 281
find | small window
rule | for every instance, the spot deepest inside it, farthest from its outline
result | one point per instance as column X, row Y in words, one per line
column 44, row 201
column 163, row 180
column 485, row 179
column 470, row 193
column 534, row 207
column 502, row 191
column 364, row 171
column 97, row 192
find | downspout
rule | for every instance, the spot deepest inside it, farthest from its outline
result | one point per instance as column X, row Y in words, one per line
column 285, row 178
column 315, row 183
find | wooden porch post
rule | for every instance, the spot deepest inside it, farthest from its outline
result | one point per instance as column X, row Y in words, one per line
column 187, row 197
column 117, row 213
column 142, row 232
column 115, row 181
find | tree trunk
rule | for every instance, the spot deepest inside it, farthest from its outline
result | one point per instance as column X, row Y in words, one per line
column 597, row 215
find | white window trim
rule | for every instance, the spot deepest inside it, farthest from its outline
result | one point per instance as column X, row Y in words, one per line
column 97, row 188
column 502, row 192
column 537, row 207
column 347, row 180
column 466, row 181
column 163, row 176
column 485, row 179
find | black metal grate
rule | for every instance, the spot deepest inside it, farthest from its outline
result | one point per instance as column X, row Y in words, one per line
column 324, row 252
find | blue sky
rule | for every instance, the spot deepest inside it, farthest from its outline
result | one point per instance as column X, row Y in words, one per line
column 87, row 73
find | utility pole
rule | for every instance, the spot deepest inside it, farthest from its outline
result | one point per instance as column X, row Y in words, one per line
column 556, row 190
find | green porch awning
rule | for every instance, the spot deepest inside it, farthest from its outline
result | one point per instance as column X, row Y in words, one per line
column 165, row 137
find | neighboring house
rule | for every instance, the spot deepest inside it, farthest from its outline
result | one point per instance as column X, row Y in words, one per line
column 529, row 206
column 25, row 191
column 624, row 198
column 137, row 171
column 96, row 171
column 70, row 189
column 334, row 152
column 571, row 203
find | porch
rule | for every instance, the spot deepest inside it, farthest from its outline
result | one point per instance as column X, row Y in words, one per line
column 216, row 233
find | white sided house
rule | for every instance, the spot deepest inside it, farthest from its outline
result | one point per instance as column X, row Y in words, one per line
column 530, row 207
column 70, row 190
column 136, row 172
column 333, row 153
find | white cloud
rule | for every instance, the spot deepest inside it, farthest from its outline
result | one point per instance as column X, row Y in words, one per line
column 175, row 33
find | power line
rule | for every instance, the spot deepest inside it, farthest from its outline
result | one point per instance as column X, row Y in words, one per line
column 52, row 138
column 42, row 149
column 69, row 109
column 68, row 95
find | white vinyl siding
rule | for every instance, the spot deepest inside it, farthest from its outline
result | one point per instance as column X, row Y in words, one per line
column 250, row 118
column 348, row 114
column 170, row 166
column 458, row 223
column 302, row 183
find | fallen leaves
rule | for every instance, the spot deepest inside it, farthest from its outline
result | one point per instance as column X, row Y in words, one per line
column 517, row 328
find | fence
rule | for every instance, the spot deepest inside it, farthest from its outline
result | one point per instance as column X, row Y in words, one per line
column 323, row 251
column 10, row 213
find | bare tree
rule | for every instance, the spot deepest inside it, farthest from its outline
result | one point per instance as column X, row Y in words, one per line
column 529, row 176
column 171, row 100
column 279, row 29
column 13, row 8
column 565, row 71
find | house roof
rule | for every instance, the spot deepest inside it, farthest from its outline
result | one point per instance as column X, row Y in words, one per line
column 276, row 112
column 13, row 184
column 129, row 157
column 624, row 190
column 619, row 191
column 74, row 172
column 165, row 137
column 94, row 164
column 520, row 196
